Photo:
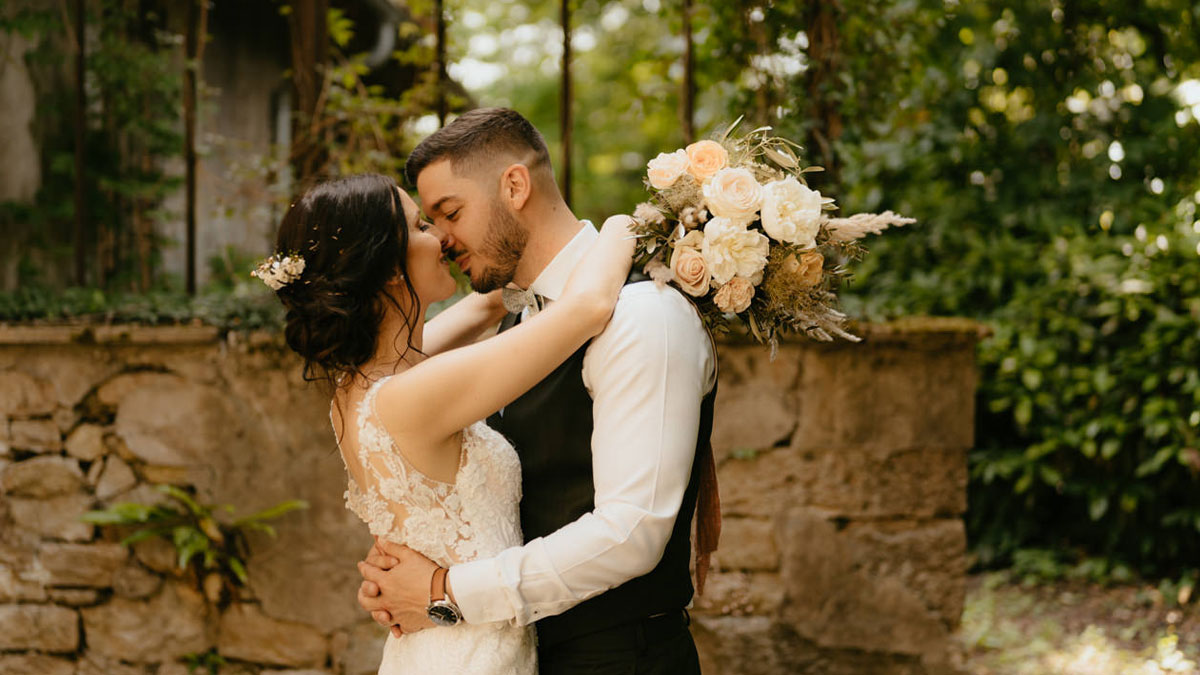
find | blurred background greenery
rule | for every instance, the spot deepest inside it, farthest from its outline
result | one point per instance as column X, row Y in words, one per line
column 1050, row 150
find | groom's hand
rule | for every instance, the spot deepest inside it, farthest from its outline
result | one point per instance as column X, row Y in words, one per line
column 396, row 594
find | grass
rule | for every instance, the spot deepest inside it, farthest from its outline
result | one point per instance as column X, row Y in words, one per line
column 1018, row 626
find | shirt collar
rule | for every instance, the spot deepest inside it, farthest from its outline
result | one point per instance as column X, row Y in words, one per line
column 550, row 283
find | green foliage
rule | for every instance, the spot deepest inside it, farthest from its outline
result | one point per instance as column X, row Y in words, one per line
column 203, row 542
column 210, row 661
column 244, row 307
column 1055, row 174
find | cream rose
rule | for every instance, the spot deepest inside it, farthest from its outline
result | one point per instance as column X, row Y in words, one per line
column 706, row 158
column 735, row 296
column 688, row 265
column 733, row 194
column 666, row 168
column 791, row 212
column 731, row 250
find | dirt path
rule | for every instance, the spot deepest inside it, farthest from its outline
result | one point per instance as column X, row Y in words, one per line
column 1077, row 628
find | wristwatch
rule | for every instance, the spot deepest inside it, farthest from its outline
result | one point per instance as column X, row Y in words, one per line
column 442, row 611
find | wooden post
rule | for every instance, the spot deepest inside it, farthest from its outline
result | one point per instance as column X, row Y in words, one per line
column 439, row 22
column 197, row 18
column 688, row 99
column 564, row 116
column 80, row 150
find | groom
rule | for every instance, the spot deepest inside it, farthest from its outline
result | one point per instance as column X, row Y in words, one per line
column 613, row 444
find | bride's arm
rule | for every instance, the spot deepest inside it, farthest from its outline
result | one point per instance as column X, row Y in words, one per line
column 446, row 393
column 463, row 322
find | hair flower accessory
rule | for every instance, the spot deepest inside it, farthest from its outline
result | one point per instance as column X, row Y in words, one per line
column 278, row 271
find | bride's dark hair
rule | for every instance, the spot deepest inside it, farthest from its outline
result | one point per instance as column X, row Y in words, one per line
column 353, row 236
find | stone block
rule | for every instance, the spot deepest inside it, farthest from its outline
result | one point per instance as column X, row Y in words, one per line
column 157, row 554
column 359, row 651
column 22, row 395
column 73, row 597
column 35, row 435
column 44, row 476
column 161, row 423
column 134, row 581
column 113, row 392
column 22, row 578
column 893, row 587
column 35, row 664
column 887, row 397
column 914, row 483
column 762, row 485
column 91, row 565
column 46, row 628
column 747, row 544
column 116, row 477
column 86, row 442
column 94, row 664
column 54, row 517
column 757, row 402
column 168, row 626
column 853, row 482
column 247, row 634
column 740, row 594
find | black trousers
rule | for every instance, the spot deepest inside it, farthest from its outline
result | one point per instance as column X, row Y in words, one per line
column 660, row 645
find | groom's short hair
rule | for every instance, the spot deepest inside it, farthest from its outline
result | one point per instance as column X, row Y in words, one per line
column 478, row 139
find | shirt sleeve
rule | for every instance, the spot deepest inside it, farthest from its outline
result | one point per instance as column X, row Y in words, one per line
column 647, row 374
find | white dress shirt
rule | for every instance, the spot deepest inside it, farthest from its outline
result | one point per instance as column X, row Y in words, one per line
column 647, row 374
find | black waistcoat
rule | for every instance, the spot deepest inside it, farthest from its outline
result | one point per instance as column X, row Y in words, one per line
column 551, row 429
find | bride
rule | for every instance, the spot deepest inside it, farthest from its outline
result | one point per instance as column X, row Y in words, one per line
column 355, row 268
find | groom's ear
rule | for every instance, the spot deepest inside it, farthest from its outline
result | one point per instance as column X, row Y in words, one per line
column 516, row 186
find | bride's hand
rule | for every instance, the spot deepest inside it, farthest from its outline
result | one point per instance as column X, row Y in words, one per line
column 597, row 280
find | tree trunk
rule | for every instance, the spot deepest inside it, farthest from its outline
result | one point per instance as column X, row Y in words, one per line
column 565, row 117
column 439, row 22
column 824, row 62
column 80, row 150
column 197, row 20
column 688, row 99
column 310, row 50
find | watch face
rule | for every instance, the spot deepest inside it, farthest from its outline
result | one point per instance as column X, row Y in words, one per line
column 444, row 614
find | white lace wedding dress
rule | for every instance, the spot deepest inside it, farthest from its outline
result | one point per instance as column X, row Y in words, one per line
column 474, row 517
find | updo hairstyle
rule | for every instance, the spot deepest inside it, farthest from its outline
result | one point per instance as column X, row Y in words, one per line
column 353, row 236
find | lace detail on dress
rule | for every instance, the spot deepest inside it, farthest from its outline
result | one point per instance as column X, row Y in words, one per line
column 474, row 516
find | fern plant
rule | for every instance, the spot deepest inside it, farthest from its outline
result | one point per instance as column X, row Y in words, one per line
column 204, row 543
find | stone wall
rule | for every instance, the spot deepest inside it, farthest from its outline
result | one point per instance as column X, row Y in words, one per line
column 842, row 468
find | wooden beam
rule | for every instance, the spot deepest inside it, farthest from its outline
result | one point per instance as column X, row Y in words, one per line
column 80, row 141
column 564, row 116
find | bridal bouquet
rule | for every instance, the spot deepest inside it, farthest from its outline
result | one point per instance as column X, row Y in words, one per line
column 732, row 223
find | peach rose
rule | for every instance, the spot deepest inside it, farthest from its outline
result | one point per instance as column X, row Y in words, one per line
column 706, row 158
column 735, row 296
column 666, row 168
column 733, row 194
column 807, row 269
column 689, row 267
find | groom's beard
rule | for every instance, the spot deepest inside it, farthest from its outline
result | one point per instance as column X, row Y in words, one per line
column 504, row 246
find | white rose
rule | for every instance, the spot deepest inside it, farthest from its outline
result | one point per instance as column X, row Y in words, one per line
column 791, row 212
column 666, row 168
column 731, row 250
column 733, row 194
